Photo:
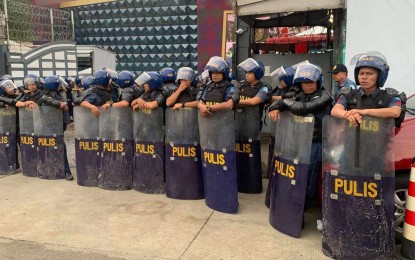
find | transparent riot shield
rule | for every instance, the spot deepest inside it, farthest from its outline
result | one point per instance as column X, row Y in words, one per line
column 293, row 139
column 217, row 140
column 184, row 178
column 28, row 141
column 273, row 129
column 248, row 149
column 116, row 132
column 87, row 147
column 8, row 141
column 48, row 128
column 358, row 189
column 148, row 175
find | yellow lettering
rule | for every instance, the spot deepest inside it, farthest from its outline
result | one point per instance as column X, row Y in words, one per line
column 144, row 148
column 351, row 188
column 214, row 158
column 44, row 141
column 373, row 193
column 211, row 103
column 284, row 169
column 27, row 140
column 113, row 147
column 242, row 148
column 88, row 146
column 4, row 140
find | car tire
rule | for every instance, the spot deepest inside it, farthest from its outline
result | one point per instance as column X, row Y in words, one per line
column 401, row 193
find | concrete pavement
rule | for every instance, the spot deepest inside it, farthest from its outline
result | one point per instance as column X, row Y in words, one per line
column 44, row 219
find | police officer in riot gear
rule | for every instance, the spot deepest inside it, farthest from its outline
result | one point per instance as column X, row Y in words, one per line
column 154, row 96
column 99, row 94
column 168, row 77
column 370, row 74
column 364, row 216
column 52, row 98
column 285, row 77
column 253, row 91
column 313, row 99
column 84, row 90
column 9, row 97
column 185, row 94
column 218, row 94
column 128, row 91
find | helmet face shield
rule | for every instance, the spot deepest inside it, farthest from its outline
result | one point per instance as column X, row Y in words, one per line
column 28, row 81
column 143, row 78
column 248, row 65
column 307, row 72
column 371, row 57
column 278, row 74
column 185, row 73
column 8, row 86
column 111, row 73
column 217, row 64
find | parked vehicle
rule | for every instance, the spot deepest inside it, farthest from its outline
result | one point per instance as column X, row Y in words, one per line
column 404, row 148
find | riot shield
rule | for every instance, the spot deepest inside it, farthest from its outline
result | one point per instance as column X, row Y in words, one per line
column 184, row 178
column 28, row 141
column 8, row 137
column 148, row 174
column 87, row 147
column 116, row 132
column 358, row 189
column 48, row 128
column 217, row 140
column 293, row 139
column 273, row 129
column 248, row 149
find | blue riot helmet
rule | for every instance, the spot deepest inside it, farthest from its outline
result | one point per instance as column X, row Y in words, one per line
column 52, row 83
column 371, row 59
column 31, row 79
column 7, row 87
column 168, row 75
column 307, row 72
column 87, row 82
column 152, row 78
column 102, row 78
column 285, row 74
column 196, row 81
column 78, row 80
column 125, row 79
column 185, row 73
column 255, row 66
column 217, row 64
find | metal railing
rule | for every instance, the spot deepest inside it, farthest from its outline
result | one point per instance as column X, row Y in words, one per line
column 27, row 25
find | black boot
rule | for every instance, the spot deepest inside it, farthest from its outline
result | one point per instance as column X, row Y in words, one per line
column 68, row 176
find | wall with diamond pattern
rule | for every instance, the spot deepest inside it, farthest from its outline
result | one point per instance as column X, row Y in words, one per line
column 145, row 34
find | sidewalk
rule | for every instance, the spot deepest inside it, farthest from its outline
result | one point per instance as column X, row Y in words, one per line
column 43, row 219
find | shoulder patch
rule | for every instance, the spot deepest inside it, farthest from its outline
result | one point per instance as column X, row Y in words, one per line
column 346, row 90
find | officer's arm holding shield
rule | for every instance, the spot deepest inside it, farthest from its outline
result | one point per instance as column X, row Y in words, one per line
column 154, row 96
column 371, row 72
column 126, row 83
column 8, row 97
column 363, row 157
column 100, row 93
column 183, row 96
